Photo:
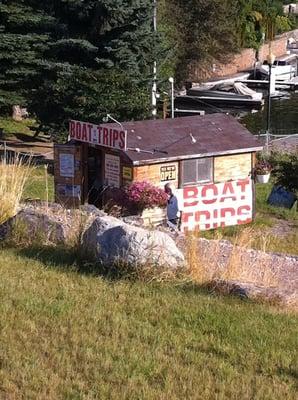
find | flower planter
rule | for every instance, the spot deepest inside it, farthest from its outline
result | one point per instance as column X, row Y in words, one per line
column 263, row 178
column 154, row 216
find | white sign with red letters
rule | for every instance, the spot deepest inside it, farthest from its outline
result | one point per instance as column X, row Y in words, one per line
column 101, row 135
column 216, row 205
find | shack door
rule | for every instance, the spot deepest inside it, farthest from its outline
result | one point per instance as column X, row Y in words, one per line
column 69, row 174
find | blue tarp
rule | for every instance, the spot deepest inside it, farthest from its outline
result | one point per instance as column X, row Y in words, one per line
column 280, row 197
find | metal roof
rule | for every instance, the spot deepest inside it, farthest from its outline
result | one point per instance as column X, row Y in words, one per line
column 153, row 141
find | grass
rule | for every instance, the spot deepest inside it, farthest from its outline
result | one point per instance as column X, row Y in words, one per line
column 14, row 175
column 265, row 211
column 36, row 187
column 70, row 335
column 12, row 128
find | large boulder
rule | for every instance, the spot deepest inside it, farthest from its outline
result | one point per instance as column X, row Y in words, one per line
column 112, row 241
column 49, row 223
column 40, row 226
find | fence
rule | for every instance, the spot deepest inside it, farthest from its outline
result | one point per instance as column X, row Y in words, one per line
column 8, row 152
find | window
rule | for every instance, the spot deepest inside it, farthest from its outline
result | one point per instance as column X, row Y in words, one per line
column 199, row 170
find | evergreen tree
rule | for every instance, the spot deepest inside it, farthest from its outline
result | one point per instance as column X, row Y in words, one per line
column 24, row 37
column 66, row 58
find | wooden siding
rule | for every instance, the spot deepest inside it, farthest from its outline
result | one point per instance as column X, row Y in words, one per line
column 232, row 167
column 155, row 173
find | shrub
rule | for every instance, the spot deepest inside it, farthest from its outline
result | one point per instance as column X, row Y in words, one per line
column 285, row 171
column 143, row 195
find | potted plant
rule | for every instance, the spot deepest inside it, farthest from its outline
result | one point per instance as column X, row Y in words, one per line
column 262, row 171
column 147, row 200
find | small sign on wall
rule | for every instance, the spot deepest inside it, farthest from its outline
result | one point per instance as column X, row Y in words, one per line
column 112, row 170
column 66, row 162
column 168, row 173
column 127, row 173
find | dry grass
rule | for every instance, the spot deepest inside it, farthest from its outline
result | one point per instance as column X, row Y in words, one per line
column 215, row 260
column 13, row 177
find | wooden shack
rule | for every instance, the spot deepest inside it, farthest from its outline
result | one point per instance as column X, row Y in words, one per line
column 208, row 158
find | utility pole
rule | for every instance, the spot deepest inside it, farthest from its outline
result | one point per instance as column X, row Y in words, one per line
column 154, row 84
column 271, row 89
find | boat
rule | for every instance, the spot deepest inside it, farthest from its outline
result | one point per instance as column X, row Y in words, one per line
column 234, row 95
column 293, row 47
column 283, row 70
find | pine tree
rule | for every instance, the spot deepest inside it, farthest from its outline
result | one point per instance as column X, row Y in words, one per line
column 22, row 43
column 58, row 56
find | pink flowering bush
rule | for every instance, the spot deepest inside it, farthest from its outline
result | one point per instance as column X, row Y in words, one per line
column 143, row 195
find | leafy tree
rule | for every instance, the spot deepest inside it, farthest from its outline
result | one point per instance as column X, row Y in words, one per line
column 258, row 20
column 203, row 32
column 66, row 58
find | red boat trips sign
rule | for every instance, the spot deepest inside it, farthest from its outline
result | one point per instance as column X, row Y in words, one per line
column 216, row 205
column 101, row 135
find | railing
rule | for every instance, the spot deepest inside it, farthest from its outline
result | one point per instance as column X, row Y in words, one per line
column 277, row 137
column 271, row 139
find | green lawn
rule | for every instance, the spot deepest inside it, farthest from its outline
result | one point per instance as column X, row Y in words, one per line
column 70, row 335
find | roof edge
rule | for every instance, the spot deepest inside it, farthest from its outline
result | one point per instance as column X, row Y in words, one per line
column 187, row 157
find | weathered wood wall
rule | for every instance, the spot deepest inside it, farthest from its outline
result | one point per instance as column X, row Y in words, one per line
column 232, row 167
column 68, row 175
column 158, row 174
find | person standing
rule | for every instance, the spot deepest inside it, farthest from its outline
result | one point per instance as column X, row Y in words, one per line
column 172, row 206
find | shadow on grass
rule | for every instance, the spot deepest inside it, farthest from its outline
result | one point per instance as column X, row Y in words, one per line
column 66, row 260
column 61, row 258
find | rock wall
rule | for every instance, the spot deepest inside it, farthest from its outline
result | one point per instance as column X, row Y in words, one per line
column 244, row 60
